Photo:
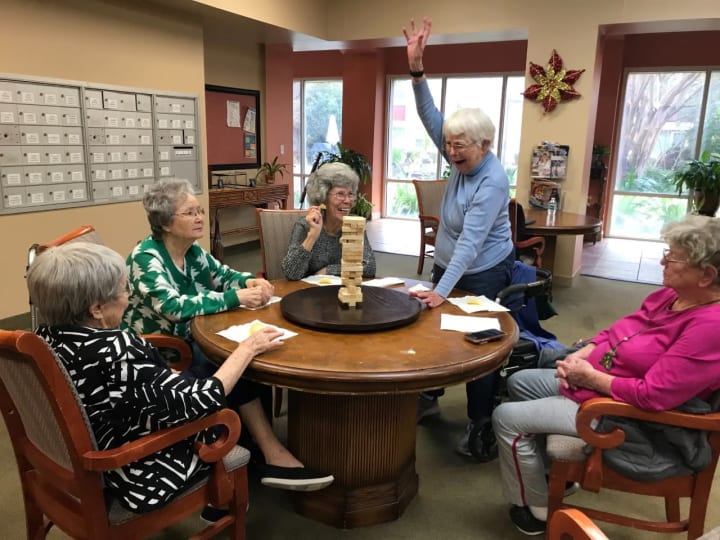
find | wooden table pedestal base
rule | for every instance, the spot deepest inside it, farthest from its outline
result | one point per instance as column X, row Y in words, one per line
column 368, row 443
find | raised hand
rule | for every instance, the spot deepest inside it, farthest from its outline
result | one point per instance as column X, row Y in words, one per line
column 416, row 41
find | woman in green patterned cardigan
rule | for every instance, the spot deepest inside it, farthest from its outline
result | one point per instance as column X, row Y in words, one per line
column 172, row 279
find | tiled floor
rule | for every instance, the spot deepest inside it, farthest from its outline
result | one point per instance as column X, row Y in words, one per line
column 612, row 258
column 626, row 260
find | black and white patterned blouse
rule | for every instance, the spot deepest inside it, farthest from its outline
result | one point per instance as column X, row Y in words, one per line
column 128, row 393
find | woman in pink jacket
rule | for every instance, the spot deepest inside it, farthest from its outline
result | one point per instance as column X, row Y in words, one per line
column 657, row 358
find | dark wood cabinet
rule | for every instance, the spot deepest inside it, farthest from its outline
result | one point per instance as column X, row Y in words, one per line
column 233, row 197
column 596, row 193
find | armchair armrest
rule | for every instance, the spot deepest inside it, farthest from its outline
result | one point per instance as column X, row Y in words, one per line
column 535, row 242
column 607, row 406
column 179, row 345
column 106, row 460
column 591, row 409
column 429, row 222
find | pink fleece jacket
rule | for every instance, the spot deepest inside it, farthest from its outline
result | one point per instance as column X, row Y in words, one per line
column 671, row 356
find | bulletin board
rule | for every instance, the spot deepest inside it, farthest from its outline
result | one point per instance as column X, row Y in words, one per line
column 233, row 128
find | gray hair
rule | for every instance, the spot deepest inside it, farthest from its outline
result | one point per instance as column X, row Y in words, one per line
column 162, row 199
column 473, row 123
column 328, row 176
column 699, row 237
column 65, row 281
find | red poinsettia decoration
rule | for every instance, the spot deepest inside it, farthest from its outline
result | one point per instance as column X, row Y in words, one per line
column 554, row 83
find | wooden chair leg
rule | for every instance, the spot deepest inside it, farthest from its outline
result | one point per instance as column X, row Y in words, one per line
column 421, row 259
column 672, row 508
column 278, row 402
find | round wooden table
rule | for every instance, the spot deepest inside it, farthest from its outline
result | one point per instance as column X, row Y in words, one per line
column 564, row 223
column 353, row 399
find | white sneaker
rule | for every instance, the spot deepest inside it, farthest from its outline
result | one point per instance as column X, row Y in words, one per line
column 463, row 445
column 427, row 406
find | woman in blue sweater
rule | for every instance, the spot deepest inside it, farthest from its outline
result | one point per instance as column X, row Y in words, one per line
column 473, row 249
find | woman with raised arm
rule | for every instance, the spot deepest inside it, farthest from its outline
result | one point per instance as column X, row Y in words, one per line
column 473, row 249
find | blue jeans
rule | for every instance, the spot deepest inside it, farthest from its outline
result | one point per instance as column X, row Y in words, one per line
column 480, row 392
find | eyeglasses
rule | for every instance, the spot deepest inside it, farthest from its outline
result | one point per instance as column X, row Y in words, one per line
column 191, row 213
column 458, row 146
column 668, row 259
column 343, row 195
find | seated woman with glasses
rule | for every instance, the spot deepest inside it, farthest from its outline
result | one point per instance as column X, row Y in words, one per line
column 655, row 359
column 172, row 279
column 125, row 387
column 315, row 246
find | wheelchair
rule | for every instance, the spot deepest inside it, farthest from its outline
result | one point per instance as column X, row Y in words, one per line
column 517, row 297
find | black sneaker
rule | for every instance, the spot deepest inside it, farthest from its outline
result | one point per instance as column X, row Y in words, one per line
column 294, row 478
column 210, row 514
column 525, row 522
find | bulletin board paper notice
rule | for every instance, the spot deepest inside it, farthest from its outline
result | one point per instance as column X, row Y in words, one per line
column 249, row 124
column 461, row 323
column 233, row 114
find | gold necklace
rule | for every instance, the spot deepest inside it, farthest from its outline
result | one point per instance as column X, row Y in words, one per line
column 608, row 357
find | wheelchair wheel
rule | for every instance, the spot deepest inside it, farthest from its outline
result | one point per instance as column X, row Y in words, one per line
column 482, row 442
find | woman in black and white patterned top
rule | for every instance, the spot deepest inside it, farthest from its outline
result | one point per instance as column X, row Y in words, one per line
column 81, row 290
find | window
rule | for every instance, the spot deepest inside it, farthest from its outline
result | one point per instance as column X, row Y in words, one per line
column 412, row 155
column 317, row 125
column 665, row 115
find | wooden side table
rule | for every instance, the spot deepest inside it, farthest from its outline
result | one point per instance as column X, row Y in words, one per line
column 233, row 197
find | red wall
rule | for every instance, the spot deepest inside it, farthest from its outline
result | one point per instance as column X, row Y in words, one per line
column 364, row 74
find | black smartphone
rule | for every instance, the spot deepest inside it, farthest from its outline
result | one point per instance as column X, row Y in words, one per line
column 484, row 336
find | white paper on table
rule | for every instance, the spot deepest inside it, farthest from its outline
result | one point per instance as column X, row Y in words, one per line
column 320, row 280
column 241, row 332
column 272, row 300
column 473, row 304
column 419, row 287
column 465, row 324
column 384, row 282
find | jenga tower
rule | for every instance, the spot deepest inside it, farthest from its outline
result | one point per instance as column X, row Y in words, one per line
column 353, row 238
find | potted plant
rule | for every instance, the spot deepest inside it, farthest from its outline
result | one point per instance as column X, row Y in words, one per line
column 700, row 177
column 270, row 168
column 598, row 167
column 359, row 163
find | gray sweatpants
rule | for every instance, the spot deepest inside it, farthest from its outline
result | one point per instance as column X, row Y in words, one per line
column 536, row 408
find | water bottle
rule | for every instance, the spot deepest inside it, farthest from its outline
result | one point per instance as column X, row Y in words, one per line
column 551, row 209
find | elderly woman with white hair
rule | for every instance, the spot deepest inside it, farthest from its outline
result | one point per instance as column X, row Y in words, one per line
column 315, row 246
column 473, row 249
column 658, row 358
column 81, row 290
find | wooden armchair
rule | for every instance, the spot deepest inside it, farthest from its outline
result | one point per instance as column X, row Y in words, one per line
column 572, row 524
column 571, row 464
column 429, row 196
column 275, row 228
column 61, row 468
column 528, row 249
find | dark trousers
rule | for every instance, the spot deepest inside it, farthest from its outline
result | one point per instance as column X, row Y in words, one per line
column 243, row 392
column 480, row 392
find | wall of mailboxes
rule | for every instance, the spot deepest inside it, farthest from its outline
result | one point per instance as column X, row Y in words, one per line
column 65, row 144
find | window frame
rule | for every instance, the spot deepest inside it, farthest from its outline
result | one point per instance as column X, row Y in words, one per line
column 500, row 131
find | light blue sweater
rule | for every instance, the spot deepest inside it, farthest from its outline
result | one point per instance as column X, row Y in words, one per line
column 474, row 233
